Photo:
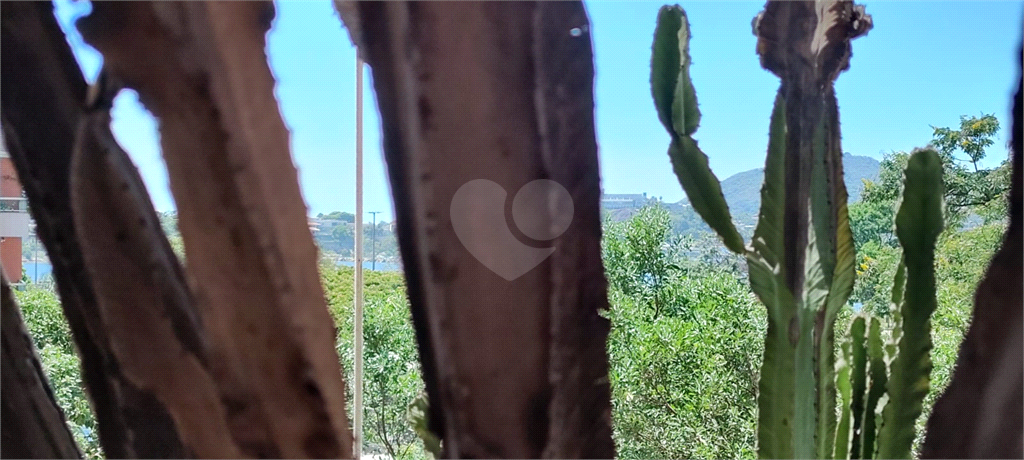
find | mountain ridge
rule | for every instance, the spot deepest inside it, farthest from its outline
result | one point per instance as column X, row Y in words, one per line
column 743, row 195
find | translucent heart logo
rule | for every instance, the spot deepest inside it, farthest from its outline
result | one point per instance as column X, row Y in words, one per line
column 541, row 210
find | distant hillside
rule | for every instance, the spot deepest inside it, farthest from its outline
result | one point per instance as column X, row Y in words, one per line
column 743, row 193
column 743, row 190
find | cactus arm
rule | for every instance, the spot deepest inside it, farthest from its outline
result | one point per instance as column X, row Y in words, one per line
column 768, row 242
column 676, row 102
column 858, row 380
column 899, row 284
column 704, row 191
column 814, row 293
column 878, row 376
column 844, row 387
column 918, row 224
column 685, row 112
column 838, row 264
column 665, row 63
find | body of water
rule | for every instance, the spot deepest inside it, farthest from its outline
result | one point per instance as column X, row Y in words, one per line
column 37, row 270
column 381, row 266
column 40, row 270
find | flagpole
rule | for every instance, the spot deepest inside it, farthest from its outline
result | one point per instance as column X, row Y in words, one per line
column 358, row 265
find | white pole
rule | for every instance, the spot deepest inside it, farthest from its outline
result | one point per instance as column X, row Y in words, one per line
column 358, row 259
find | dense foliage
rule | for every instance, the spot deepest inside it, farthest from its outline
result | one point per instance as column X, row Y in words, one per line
column 687, row 334
column 49, row 330
column 391, row 364
column 685, row 347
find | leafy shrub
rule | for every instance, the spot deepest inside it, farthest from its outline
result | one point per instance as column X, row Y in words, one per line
column 391, row 370
column 45, row 322
column 685, row 347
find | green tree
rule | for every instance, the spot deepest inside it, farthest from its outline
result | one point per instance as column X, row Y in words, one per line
column 638, row 252
column 342, row 233
column 872, row 221
column 46, row 325
column 338, row 215
column 969, row 189
column 685, row 346
column 391, row 369
column 973, row 137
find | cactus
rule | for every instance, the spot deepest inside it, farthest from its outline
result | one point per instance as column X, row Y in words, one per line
column 918, row 224
column 801, row 260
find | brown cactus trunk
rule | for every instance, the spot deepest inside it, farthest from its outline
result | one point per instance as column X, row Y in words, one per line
column 201, row 68
column 501, row 92
column 43, row 92
column 33, row 424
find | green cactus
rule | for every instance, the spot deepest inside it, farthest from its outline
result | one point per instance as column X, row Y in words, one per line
column 676, row 101
column 878, row 377
column 850, row 381
column 801, row 259
column 918, row 224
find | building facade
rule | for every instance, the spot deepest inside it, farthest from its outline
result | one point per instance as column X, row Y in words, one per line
column 619, row 201
column 14, row 219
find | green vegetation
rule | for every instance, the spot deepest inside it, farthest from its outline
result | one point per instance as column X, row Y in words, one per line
column 688, row 351
column 45, row 322
column 391, row 364
column 805, row 280
column 903, row 375
column 803, row 274
column 685, row 347
column 973, row 195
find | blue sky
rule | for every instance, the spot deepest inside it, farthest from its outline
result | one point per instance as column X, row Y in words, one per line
column 924, row 63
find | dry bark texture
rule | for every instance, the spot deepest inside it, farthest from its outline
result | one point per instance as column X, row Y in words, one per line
column 33, row 424
column 144, row 303
column 43, row 93
column 980, row 413
column 200, row 67
column 503, row 92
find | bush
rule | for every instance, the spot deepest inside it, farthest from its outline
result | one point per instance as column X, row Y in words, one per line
column 961, row 258
column 391, row 370
column 45, row 322
column 685, row 347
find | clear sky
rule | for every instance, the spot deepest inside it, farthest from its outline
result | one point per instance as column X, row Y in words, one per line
column 924, row 63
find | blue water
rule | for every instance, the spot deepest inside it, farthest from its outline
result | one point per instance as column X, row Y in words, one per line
column 44, row 270
column 381, row 266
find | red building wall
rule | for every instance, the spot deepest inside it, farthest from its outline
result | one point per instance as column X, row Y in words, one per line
column 10, row 247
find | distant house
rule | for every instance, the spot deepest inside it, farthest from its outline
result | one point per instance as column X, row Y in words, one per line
column 620, row 201
column 327, row 225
